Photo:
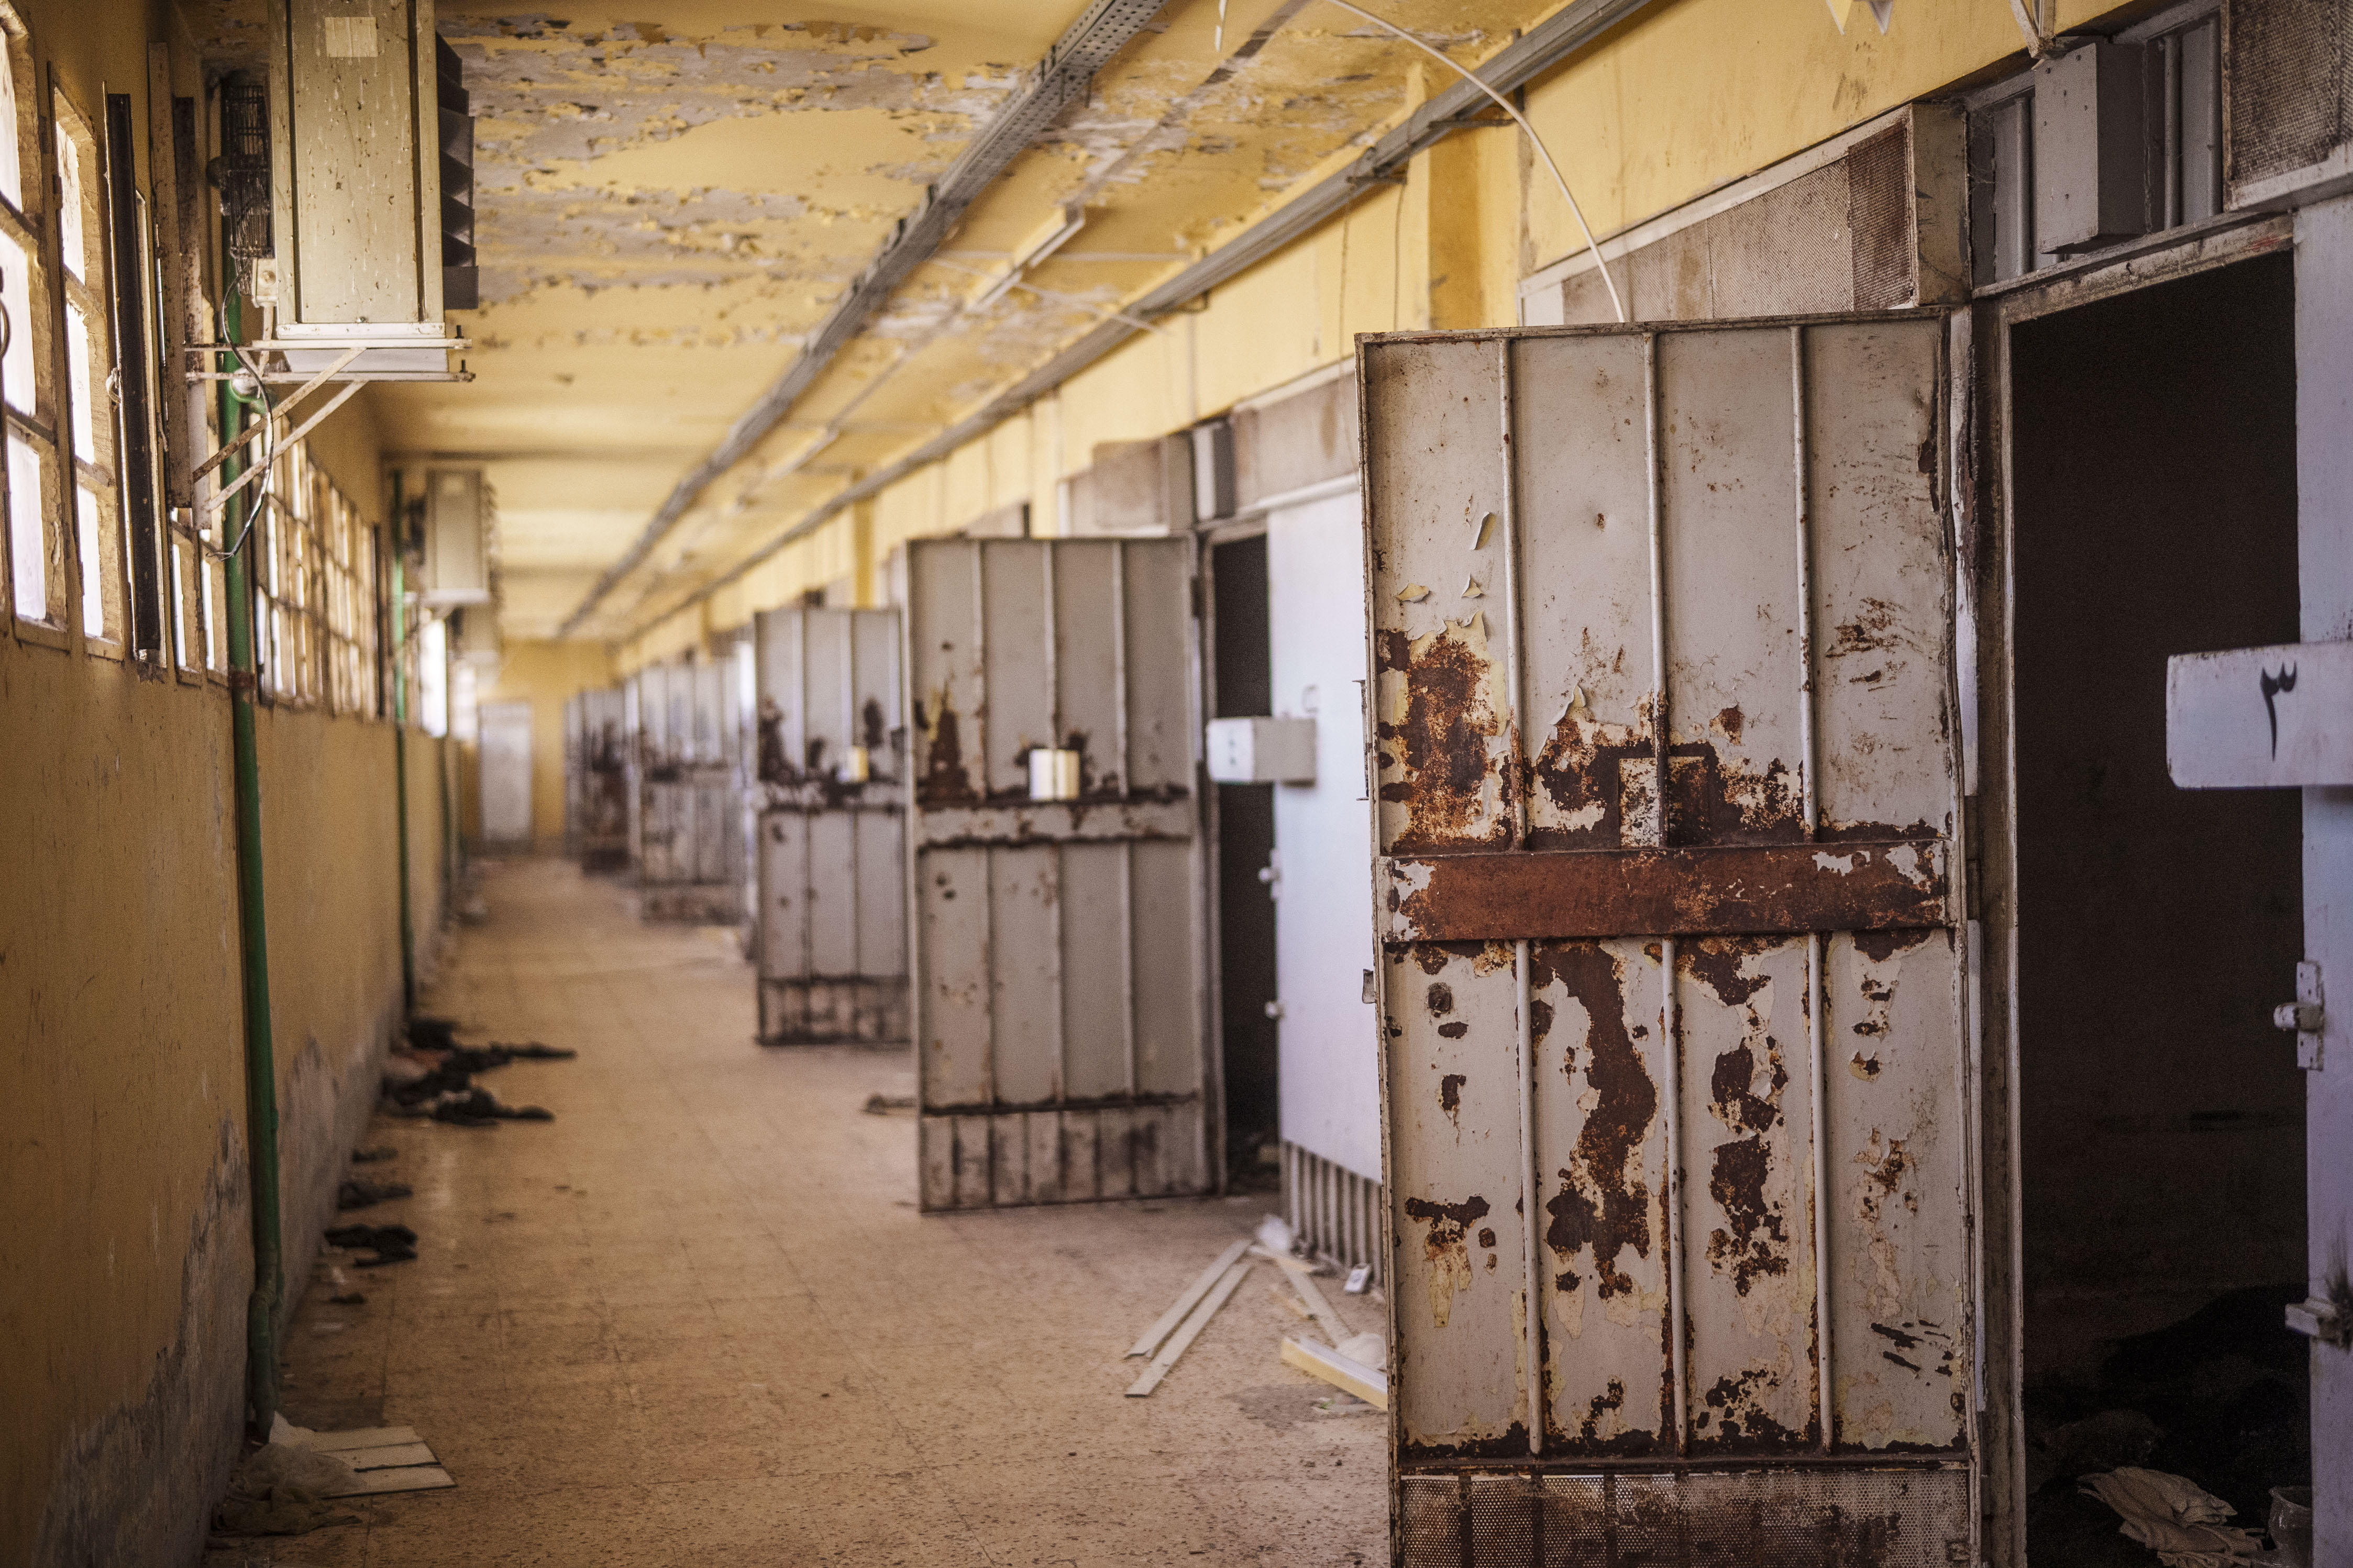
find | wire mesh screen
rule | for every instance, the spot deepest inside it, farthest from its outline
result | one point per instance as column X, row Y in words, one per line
column 1735, row 1518
column 1879, row 220
column 2286, row 73
column 244, row 171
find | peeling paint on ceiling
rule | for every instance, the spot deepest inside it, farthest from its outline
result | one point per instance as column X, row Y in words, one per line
column 669, row 202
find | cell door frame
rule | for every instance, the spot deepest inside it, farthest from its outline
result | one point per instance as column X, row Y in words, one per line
column 1985, row 515
column 1205, row 540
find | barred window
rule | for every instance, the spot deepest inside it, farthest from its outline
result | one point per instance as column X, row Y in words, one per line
column 315, row 592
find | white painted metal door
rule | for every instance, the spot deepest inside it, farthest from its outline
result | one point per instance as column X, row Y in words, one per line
column 1059, row 976
column 1315, row 616
column 604, row 780
column 1674, row 1065
column 829, row 792
column 688, row 827
column 506, row 772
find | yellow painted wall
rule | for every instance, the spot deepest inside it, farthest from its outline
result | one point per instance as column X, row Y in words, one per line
column 547, row 675
column 126, row 1257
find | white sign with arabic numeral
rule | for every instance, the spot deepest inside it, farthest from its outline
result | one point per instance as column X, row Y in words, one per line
column 2261, row 717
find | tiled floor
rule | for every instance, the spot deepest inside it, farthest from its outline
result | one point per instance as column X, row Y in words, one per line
column 698, row 1320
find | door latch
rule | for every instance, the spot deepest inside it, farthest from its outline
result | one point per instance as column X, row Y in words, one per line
column 2303, row 1018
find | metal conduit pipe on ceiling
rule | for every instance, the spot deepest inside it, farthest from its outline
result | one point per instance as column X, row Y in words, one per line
column 1063, row 75
column 1542, row 47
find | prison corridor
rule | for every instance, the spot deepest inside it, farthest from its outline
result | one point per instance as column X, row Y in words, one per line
column 696, row 1319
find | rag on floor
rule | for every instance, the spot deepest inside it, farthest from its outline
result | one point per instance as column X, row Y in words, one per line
column 283, row 1489
column 358, row 1193
column 390, row 1243
column 2173, row 1517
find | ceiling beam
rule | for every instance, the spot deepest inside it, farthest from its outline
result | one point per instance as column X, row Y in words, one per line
column 1536, row 51
column 1063, row 76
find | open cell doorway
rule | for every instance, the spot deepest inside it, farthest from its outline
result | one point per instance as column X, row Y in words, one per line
column 2161, row 1121
column 1243, row 672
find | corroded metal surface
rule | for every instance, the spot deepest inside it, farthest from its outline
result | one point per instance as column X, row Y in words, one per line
column 1663, row 704
column 830, row 862
column 596, row 748
column 1060, row 980
column 1880, row 1517
column 1784, row 887
column 686, row 814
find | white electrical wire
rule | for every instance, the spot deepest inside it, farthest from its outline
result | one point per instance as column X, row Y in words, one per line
column 256, row 504
column 1519, row 120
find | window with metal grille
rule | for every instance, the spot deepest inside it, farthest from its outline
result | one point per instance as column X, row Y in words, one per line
column 315, row 592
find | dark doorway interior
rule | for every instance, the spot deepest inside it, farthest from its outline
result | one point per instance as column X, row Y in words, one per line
column 1244, row 658
column 2162, row 1125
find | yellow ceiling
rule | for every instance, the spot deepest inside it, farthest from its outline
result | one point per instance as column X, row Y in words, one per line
column 668, row 201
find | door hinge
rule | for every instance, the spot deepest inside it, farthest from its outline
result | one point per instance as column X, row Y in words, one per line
column 2305, row 1017
column 2319, row 1319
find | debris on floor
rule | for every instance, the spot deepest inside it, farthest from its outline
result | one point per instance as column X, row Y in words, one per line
column 390, row 1243
column 2221, row 1395
column 1303, row 1281
column 1166, row 1324
column 1342, row 1372
column 280, row 1488
column 358, row 1193
column 375, row 1156
column 434, row 1076
column 2174, row 1517
column 1190, row 1329
column 377, row 1460
column 2291, row 1525
column 884, row 1104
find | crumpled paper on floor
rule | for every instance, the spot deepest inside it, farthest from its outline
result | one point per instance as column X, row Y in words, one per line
column 281, row 1489
column 2173, row 1517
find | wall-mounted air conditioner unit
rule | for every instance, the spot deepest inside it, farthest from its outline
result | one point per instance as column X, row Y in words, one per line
column 372, row 154
column 457, row 569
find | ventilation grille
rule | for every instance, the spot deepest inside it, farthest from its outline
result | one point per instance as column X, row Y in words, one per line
column 1739, row 1518
column 1334, row 1211
column 461, row 276
column 1879, row 221
column 2285, row 63
column 242, row 174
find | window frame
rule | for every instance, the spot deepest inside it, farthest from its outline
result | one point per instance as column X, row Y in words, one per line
column 91, row 300
column 34, row 430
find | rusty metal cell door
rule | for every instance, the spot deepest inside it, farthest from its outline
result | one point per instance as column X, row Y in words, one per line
column 1060, row 960
column 689, row 828
column 1671, row 983
column 829, row 797
column 601, row 741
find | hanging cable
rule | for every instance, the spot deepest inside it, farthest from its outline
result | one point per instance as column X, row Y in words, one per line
column 1519, row 120
column 259, row 501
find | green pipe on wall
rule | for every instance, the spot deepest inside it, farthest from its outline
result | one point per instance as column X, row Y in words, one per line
column 263, row 1307
column 400, row 743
